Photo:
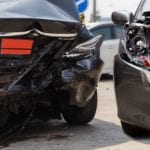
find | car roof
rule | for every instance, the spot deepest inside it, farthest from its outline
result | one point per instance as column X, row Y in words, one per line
column 92, row 25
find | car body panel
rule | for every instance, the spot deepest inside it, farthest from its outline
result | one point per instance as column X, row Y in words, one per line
column 108, row 50
column 132, row 89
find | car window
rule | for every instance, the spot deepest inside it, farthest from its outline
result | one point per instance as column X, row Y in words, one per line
column 144, row 6
column 106, row 31
column 117, row 32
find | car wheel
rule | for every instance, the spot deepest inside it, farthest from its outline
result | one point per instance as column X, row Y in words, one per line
column 131, row 130
column 75, row 115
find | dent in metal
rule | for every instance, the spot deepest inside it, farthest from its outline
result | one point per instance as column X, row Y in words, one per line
column 145, row 74
column 132, row 90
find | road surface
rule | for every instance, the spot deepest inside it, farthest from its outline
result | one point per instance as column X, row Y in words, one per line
column 103, row 133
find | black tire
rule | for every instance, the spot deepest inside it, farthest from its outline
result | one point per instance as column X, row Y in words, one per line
column 75, row 115
column 131, row 130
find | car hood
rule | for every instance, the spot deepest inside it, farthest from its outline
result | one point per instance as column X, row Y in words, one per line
column 24, row 14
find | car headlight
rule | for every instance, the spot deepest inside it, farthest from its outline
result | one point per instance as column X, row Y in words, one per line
column 137, row 45
column 84, row 50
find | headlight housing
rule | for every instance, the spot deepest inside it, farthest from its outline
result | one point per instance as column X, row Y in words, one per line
column 137, row 44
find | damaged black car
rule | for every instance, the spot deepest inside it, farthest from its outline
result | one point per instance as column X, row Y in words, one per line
column 49, row 64
column 132, row 70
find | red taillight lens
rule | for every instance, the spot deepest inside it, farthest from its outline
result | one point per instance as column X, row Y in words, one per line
column 16, row 46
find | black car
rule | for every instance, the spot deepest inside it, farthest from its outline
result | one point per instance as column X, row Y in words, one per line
column 49, row 64
column 132, row 69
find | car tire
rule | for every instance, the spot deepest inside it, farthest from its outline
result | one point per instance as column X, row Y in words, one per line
column 131, row 130
column 75, row 115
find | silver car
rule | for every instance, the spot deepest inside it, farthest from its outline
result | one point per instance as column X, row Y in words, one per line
column 109, row 48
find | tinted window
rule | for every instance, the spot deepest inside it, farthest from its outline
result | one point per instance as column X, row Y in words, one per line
column 106, row 31
column 117, row 32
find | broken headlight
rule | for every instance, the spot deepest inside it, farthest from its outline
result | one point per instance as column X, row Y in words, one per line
column 84, row 50
column 137, row 45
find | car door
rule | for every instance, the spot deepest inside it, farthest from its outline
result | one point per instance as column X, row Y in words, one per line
column 109, row 47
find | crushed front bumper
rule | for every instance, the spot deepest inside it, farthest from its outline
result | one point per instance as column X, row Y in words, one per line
column 132, row 88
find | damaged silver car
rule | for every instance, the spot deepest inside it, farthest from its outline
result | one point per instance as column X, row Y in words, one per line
column 49, row 64
column 132, row 70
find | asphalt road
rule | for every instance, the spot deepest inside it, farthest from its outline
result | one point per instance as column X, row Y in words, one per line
column 103, row 133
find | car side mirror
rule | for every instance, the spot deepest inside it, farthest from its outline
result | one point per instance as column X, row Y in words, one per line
column 121, row 18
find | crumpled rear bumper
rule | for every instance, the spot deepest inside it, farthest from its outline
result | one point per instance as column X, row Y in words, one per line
column 78, row 77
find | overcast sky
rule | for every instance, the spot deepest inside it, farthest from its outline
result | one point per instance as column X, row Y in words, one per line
column 105, row 7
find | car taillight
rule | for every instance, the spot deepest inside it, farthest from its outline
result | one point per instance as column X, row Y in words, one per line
column 84, row 50
column 16, row 46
